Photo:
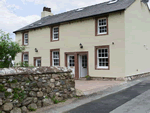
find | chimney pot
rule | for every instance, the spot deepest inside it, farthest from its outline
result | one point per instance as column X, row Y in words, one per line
column 47, row 9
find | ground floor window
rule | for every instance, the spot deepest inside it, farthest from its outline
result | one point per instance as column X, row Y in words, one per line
column 25, row 57
column 37, row 61
column 102, row 57
column 55, row 57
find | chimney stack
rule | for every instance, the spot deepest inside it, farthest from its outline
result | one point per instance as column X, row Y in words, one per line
column 46, row 12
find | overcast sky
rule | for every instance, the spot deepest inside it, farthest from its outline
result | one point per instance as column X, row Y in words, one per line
column 15, row 14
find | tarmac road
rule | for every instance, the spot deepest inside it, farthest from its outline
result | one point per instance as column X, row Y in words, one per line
column 135, row 99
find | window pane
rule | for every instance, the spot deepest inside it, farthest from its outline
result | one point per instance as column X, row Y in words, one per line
column 26, row 57
column 55, row 36
column 71, row 61
column 56, row 62
column 26, row 40
column 55, row 54
column 38, row 62
column 56, row 29
column 25, row 35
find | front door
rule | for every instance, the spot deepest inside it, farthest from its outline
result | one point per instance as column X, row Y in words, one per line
column 82, row 65
column 71, row 64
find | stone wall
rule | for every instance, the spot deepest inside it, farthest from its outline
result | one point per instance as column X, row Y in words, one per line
column 26, row 89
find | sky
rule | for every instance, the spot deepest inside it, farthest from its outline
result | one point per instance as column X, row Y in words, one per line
column 15, row 14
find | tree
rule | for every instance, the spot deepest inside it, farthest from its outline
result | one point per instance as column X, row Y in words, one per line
column 8, row 49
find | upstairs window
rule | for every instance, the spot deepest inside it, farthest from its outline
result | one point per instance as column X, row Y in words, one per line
column 25, row 39
column 101, row 26
column 55, row 34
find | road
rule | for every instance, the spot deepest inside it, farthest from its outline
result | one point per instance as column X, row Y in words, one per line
column 135, row 99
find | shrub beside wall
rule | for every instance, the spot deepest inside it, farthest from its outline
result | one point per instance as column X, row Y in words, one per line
column 26, row 89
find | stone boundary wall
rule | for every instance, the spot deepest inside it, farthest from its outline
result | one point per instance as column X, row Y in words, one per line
column 26, row 89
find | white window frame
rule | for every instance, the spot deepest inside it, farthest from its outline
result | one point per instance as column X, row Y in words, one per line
column 24, row 60
column 37, row 62
column 102, row 67
column 55, row 58
column 25, row 39
column 98, row 26
column 55, row 33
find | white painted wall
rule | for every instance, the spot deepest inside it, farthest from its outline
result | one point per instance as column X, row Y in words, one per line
column 137, row 34
column 72, row 34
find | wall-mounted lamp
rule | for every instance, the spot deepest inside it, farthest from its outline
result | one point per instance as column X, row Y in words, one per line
column 113, row 43
column 81, row 46
column 36, row 50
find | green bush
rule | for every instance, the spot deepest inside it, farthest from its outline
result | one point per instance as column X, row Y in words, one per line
column 8, row 50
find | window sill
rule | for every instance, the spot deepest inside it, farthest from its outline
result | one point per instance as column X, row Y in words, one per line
column 102, row 68
column 101, row 34
column 54, row 40
column 25, row 45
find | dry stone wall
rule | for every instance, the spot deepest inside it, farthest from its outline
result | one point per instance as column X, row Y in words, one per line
column 26, row 89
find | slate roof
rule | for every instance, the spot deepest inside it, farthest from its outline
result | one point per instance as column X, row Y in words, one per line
column 98, row 9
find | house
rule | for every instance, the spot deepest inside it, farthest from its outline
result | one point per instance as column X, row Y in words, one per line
column 109, row 39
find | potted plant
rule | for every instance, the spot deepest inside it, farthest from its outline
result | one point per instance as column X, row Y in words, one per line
column 88, row 77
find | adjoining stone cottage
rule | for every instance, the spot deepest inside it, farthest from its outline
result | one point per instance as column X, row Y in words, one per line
column 26, row 89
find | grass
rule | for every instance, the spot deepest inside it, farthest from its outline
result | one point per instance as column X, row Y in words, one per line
column 76, row 97
column 18, row 94
column 7, row 94
column 2, row 89
column 14, row 81
column 46, row 97
column 32, row 109
column 27, row 81
column 56, row 101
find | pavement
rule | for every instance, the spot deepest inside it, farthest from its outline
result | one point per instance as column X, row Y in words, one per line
column 93, row 86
